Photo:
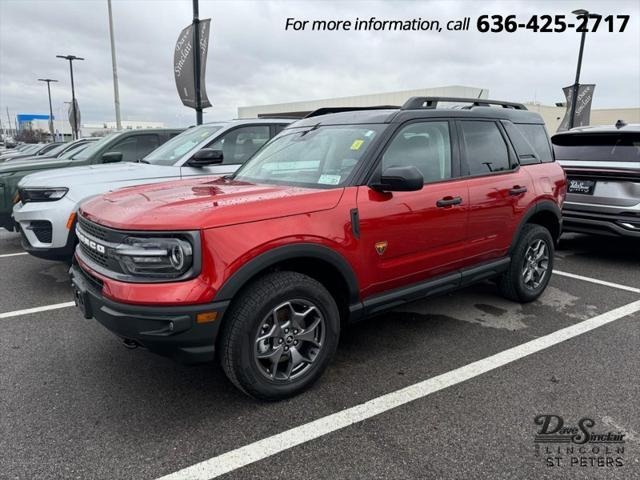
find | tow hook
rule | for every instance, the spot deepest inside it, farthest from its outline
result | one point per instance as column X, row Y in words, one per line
column 130, row 344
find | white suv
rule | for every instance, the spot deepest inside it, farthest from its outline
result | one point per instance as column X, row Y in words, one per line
column 49, row 200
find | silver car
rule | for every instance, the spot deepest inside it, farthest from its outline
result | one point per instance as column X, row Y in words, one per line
column 603, row 179
column 50, row 199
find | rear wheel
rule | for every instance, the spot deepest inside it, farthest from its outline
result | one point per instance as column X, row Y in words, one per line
column 279, row 335
column 531, row 265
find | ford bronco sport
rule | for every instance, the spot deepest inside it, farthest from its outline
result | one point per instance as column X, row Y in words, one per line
column 341, row 216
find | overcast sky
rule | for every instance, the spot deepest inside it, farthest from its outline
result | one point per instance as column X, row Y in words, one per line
column 253, row 60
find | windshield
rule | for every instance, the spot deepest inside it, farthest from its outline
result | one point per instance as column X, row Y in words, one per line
column 317, row 157
column 614, row 147
column 76, row 151
column 178, row 146
column 56, row 150
column 30, row 149
column 95, row 146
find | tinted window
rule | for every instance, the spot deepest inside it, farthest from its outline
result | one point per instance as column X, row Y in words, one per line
column 95, row 146
column 146, row 144
column 128, row 148
column 240, row 144
column 616, row 146
column 537, row 137
column 173, row 150
column 426, row 146
column 485, row 149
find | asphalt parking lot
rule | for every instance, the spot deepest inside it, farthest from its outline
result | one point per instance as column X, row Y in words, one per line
column 75, row 404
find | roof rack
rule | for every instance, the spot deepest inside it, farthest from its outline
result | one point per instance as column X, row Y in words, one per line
column 327, row 110
column 432, row 102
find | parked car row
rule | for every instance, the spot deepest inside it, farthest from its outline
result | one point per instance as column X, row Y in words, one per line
column 48, row 201
column 255, row 241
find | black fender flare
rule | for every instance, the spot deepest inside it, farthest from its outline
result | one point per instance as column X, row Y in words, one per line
column 288, row 252
column 541, row 206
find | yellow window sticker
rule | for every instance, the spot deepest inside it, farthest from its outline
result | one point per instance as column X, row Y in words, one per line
column 357, row 144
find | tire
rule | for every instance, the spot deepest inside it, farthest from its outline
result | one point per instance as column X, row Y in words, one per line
column 512, row 284
column 266, row 304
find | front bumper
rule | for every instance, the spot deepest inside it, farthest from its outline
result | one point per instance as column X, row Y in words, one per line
column 167, row 330
column 59, row 240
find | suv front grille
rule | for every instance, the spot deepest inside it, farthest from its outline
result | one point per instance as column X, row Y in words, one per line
column 102, row 241
column 93, row 229
column 42, row 230
column 99, row 258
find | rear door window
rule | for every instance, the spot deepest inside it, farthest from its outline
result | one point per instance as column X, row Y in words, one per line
column 485, row 149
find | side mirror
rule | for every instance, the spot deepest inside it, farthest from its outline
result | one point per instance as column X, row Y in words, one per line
column 399, row 179
column 206, row 156
column 112, row 157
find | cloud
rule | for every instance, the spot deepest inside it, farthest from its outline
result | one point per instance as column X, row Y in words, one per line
column 253, row 60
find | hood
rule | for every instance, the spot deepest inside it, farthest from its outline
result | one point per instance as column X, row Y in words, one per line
column 93, row 174
column 25, row 165
column 204, row 203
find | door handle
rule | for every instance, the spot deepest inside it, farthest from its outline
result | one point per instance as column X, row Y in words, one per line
column 448, row 201
column 517, row 190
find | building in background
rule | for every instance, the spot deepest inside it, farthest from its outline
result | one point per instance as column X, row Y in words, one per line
column 62, row 128
column 389, row 98
column 102, row 128
column 551, row 114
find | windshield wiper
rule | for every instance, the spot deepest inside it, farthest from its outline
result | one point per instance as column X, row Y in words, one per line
column 142, row 160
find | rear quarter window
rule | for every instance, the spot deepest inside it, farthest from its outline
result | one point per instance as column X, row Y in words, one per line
column 538, row 140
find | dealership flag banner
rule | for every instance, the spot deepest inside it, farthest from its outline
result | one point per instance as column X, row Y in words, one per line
column 583, row 107
column 74, row 120
column 183, row 59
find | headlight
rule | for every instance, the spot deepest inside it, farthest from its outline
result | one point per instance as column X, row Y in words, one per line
column 155, row 257
column 42, row 194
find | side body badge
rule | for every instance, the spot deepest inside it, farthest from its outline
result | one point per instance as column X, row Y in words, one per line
column 381, row 247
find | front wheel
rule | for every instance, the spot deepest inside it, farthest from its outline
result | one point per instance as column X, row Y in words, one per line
column 531, row 265
column 279, row 335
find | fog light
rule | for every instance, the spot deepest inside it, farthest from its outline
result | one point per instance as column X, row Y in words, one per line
column 206, row 317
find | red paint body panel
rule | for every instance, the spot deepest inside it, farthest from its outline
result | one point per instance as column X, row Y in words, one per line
column 203, row 203
column 423, row 240
column 240, row 221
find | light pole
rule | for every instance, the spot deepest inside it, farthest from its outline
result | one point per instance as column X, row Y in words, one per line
column 116, row 93
column 74, row 104
column 196, row 60
column 49, row 80
column 576, row 84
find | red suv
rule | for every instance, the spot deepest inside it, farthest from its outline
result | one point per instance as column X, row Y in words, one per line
column 341, row 216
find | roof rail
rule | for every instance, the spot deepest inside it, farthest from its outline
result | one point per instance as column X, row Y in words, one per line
column 432, row 102
column 327, row 110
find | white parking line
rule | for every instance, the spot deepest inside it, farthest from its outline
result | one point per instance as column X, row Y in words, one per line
column 234, row 459
column 27, row 311
column 596, row 281
column 13, row 254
